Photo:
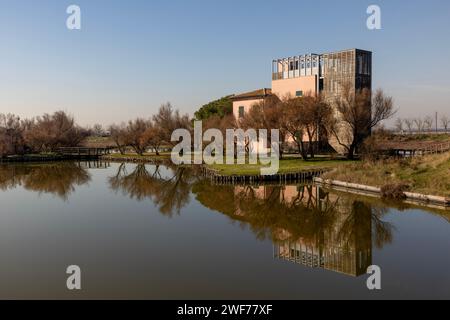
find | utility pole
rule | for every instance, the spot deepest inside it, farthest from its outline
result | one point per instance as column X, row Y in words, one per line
column 436, row 122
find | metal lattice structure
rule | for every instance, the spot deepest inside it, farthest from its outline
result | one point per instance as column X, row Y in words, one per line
column 350, row 67
column 333, row 70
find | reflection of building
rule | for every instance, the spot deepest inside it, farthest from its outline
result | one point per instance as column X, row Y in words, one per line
column 329, row 252
column 285, row 194
column 341, row 244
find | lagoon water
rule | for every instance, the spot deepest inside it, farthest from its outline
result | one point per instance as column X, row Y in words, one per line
column 158, row 232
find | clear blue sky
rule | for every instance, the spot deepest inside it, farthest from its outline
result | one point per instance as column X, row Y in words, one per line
column 131, row 56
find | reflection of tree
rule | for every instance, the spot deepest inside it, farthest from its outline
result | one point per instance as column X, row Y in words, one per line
column 56, row 178
column 383, row 231
column 363, row 221
column 170, row 193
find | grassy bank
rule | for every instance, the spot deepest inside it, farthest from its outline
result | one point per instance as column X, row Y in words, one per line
column 32, row 157
column 287, row 165
column 134, row 156
column 427, row 175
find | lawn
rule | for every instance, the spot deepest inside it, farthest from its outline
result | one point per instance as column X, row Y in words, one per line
column 287, row 165
column 48, row 155
column 427, row 175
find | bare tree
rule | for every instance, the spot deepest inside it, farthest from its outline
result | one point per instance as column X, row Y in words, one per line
column 97, row 130
column 153, row 136
column 409, row 123
column 11, row 135
column 419, row 124
column 135, row 135
column 267, row 114
column 445, row 122
column 359, row 112
column 428, row 123
column 304, row 117
column 49, row 132
column 399, row 125
column 167, row 120
column 296, row 126
column 318, row 116
column 45, row 133
column 118, row 135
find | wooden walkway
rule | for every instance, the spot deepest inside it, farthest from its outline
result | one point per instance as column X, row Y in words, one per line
column 412, row 149
column 83, row 152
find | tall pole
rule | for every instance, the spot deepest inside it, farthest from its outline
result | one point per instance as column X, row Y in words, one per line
column 436, row 122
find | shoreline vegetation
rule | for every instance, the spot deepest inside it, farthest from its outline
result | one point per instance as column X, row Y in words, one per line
column 428, row 175
column 378, row 192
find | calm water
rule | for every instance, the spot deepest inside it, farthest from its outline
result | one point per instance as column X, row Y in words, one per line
column 156, row 232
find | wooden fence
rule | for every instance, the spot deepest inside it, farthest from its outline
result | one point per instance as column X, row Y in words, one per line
column 83, row 151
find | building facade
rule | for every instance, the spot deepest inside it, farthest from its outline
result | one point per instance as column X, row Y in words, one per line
column 313, row 74
column 242, row 103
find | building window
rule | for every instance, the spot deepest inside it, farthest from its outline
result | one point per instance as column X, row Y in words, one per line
column 241, row 112
column 299, row 93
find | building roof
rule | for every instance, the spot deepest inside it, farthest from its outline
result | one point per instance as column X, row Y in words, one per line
column 320, row 54
column 257, row 94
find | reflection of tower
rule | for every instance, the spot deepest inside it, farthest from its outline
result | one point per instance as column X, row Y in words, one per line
column 329, row 255
column 346, row 247
column 317, row 229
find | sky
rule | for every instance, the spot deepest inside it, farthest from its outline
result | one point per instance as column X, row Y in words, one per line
column 131, row 56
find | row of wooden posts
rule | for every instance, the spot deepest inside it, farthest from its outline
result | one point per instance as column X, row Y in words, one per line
column 412, row 152
column 83, row 151
column 303, row 176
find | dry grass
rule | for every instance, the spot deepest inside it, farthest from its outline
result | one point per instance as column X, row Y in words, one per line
column 98, row 142
column 428, row 175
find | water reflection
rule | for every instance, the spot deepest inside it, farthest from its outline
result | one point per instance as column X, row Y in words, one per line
column 168, row 187
column 59, row 179
column 307, row 224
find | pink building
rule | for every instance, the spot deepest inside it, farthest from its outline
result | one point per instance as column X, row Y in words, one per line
column 312, row 74
column 242, row 103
